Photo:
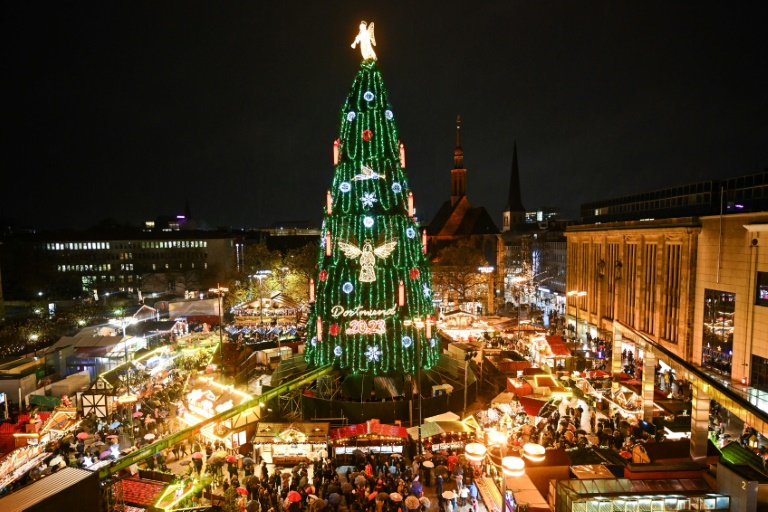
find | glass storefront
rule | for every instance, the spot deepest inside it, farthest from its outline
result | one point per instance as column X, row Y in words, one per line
column 717, row 346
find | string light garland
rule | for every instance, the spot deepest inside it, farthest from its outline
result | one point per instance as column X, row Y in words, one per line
column 371, row 243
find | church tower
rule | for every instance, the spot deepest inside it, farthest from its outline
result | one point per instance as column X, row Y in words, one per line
column 458, row 173
column 514, row 213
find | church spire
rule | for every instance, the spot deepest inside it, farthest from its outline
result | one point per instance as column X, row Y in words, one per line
column 458, row 153
column 514, row 213
column 459, row 173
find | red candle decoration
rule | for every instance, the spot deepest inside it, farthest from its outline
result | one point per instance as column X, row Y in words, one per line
column 328, row 203
column 319, row 328
column 410, row 204
column 312, row 290
column 424, row 241
column 327, row 243
column 401, row 294
column 336, row 145
column 402, row 155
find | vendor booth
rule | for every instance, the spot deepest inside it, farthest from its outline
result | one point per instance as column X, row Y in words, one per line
column 209, row 398
column 369, row 437
column 288, row 444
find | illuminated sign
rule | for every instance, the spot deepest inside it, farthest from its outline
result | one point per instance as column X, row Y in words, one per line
column 363, row 327
column 338, row 310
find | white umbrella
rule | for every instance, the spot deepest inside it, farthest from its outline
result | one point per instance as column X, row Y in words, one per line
column 55, row 461
column 149, row 437
column 428, row 464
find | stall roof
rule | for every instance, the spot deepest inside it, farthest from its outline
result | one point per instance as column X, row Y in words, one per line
column 27, row 497
column 369, row 427
column 557, row 345
column 590, row 471
column 268, row 432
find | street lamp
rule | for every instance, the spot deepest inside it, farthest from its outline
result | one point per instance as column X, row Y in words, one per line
column 510, row 466
column 260, row 275
column 577, row 294
column 419, row 324
column 220, row 291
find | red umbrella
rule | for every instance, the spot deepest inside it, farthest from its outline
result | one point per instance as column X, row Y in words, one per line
column 112, row 437
column 294, row 496
column 83, row 435
column 243, row 490
column 231, row 458
column 197, row 455
column 626, row 454
column 138, row 414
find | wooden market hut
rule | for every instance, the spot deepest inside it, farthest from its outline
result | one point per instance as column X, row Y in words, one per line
column 291, row 443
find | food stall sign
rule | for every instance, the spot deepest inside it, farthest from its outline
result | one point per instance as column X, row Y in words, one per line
column 127, row 399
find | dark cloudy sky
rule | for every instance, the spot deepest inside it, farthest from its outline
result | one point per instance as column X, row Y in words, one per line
column 127, row 109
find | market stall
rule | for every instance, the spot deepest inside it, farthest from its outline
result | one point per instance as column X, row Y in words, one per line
column 209, row 398
column 291, row 443
column 371, row 436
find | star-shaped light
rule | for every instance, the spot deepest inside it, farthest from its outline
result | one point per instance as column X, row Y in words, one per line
column 373, row 353
column 368, row 199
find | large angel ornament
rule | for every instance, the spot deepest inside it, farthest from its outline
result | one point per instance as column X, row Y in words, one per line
column 367, row 41
column 368, row 256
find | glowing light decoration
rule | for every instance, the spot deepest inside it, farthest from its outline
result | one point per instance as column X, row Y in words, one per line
column 336, row 151
column 368, row 222
column 410, row 204
column 424, row 241
column 367, row 327
column 368, row 256
column 401, row 294
column 432, row 343
column 369, row 181
column 367, row 41
column 426, row 290
column 366, row 173
column 314, row 340
column 368, row 199
column 373, row 353
column 311, row 290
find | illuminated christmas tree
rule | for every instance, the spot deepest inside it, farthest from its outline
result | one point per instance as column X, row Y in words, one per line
column 372, row 295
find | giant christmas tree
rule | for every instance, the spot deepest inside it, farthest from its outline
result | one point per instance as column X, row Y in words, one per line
column 372, row 295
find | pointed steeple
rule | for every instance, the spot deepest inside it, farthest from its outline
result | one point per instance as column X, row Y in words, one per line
column 459, row 173
column 458, row 153
column 514, row 212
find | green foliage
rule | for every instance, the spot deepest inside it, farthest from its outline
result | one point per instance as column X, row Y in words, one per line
column 374, row 246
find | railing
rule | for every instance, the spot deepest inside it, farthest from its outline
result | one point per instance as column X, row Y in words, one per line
column 169, row 441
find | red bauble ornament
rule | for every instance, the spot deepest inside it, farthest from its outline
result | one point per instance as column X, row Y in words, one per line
column 323, row 275
column 334, row 329
column 367, row 135
column 414, row 273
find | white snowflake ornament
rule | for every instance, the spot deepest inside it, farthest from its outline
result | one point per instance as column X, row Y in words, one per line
column 368, row 199
column 373, row 353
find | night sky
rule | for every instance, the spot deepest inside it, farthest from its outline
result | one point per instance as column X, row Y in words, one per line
column 125, row 110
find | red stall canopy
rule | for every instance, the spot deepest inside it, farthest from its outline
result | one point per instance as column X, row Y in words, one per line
column 372, row 427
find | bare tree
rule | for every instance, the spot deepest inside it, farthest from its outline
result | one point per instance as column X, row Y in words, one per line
column 456, row 273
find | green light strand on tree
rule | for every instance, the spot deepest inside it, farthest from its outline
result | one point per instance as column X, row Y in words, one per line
column 375, row 245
